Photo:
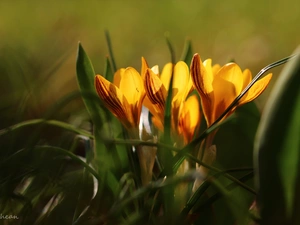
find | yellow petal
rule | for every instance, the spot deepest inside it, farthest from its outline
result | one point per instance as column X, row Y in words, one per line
column 224, row 94
column 131, row 85
column 247, row 77
column 181, row 78
column 189, row 118
column 256, row 89
column 166, row 74
column 179, row 91
column 215, row 69
column 113, row 99
column 190, row 86
column 232, row 73
column 209, row 68
column 117, row 76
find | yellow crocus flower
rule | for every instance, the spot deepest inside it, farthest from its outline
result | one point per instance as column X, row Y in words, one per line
column 185, row 114
column 219, row 86
column 123, row 97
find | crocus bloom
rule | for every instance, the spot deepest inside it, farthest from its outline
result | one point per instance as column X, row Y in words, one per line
column 219, row 86
column 185, row 114
column 123, row 97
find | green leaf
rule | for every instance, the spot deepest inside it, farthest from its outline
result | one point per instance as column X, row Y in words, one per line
column 235, row 139
column 56, row 123
column 171, row 49
column 108, row 71
column 236, row 204
column 187, row 53
column 85, row 78
column 112, row 58
column 277, row 146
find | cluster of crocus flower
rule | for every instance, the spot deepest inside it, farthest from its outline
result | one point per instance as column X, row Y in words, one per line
column 130, row 90
column 217, row 86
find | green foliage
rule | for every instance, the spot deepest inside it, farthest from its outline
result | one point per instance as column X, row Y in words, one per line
column 277, row 150
column 45, row 181
column 187, row 53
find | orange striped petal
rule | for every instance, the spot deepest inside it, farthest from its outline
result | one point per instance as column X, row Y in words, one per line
column 113, row 99
column 202, row 81
column 202, row 78
column 155, row 89
column 144, row 67
column 155, row 111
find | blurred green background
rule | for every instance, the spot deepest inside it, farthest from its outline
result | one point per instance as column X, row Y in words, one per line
column 39, row 41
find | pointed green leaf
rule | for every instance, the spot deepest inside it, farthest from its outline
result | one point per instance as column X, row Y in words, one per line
column 171, row 49
column 187, row 53
column 108, row 71
column 112, row 58
column 85, row 78
column 277, row 156
column 234, row 140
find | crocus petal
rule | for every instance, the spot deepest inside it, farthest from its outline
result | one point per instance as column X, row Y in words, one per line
column 144, row 67
column 189, row 118
column 190, row 86
column 155, row 89
column 117, row 76
column 202, row 81
column 113, row 99
column 224, row 94
column 232, row 73
column 158, row 123
column 166, row 74
column 256, row 89
column 247, row 77
column 181, row 78
column 201, row 77
column 215, row 69
column 131, row 85
column 180, row 84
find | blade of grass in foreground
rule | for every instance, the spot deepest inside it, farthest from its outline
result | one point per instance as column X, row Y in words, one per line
column 187, row 53
column 277, row 156
column 85, row 78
